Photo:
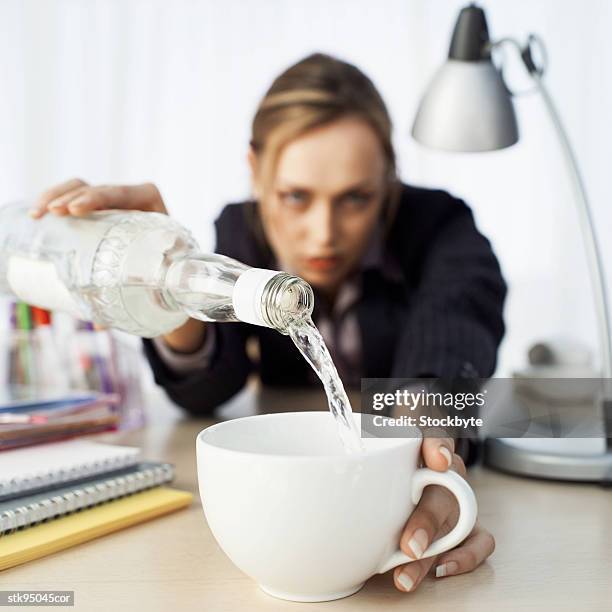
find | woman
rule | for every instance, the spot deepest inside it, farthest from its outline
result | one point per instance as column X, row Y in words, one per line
column 405, row 285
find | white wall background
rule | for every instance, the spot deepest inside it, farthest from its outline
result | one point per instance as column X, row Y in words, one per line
column 134, row 90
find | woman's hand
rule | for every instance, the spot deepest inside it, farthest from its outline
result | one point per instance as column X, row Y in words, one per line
column 76, row 197
column 435, row 515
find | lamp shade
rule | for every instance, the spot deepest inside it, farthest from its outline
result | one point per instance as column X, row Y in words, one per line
column 467, row 106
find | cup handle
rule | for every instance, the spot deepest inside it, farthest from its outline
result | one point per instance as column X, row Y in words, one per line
column 468, row 512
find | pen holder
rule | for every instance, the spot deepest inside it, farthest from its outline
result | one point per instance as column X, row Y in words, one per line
column 98, row 360
column 64, row 355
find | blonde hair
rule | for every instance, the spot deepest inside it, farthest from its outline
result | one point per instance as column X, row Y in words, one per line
column 316, row 91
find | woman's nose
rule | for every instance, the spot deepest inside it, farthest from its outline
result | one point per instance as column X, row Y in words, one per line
column 322, row 225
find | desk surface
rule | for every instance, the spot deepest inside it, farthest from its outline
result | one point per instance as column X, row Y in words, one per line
column 554, row 545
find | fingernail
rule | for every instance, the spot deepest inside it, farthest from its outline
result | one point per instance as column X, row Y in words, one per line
column 447, row 569
column 446, row 454
column 55, row 205
column 406, row 581
column 34, row 212
column 418, row 543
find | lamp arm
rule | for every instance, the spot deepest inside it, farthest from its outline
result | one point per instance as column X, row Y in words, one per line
column 594, row 260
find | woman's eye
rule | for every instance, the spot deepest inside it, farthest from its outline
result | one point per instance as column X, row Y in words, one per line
column 294, row 197
column 357, row 199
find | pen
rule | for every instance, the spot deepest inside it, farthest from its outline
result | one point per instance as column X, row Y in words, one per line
column 14, row 377
column 105, row 385
column 12, row 418
column 24, row 324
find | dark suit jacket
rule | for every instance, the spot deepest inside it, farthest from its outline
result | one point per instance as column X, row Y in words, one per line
column 441, row 318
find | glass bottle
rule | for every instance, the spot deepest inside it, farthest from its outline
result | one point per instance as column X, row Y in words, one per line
column 140, row 272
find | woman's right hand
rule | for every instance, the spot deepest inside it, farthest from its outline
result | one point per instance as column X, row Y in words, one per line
column 76, row 197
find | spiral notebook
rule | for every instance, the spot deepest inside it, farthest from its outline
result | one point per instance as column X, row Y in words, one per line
column 26, row 470
column 25, row 511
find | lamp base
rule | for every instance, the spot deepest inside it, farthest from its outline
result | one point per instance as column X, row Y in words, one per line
column 570, row 459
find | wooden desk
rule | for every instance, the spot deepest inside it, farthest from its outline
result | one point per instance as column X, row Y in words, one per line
column 554, row 545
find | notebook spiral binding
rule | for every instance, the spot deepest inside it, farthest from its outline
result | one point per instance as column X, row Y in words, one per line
column 43, row 479
column 84, row 497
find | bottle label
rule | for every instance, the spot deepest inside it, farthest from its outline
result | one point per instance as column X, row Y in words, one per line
column 36, row 282
column 248, row 294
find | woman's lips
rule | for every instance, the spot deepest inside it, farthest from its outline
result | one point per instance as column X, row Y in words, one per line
column 322, row 264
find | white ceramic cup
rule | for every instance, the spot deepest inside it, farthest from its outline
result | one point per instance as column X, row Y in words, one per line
column 303, row 518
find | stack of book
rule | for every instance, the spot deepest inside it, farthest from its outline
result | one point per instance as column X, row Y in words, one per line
column 27, row 418
column 57, row 495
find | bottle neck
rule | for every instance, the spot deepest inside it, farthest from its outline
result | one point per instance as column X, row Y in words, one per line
column 215, row 287
column 285, row 300
column 194, row 278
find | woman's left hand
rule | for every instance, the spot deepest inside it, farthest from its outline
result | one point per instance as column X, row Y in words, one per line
column 435, row 515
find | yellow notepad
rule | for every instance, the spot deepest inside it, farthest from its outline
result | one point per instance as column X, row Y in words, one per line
column 46, row 538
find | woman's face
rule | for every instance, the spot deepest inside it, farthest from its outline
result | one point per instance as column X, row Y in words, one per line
column 325, row 201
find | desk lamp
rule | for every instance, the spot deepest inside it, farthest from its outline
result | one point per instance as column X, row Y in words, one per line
column 468, row 107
